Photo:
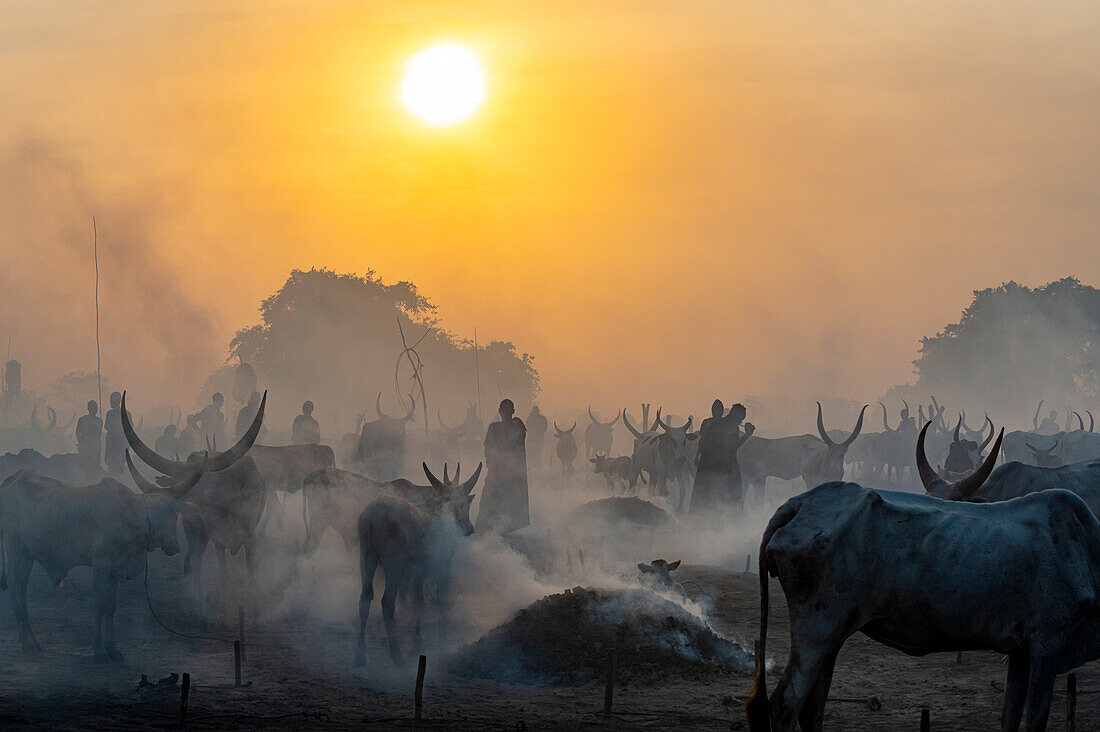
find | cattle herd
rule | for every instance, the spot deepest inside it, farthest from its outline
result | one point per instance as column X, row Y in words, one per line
column 950, row 538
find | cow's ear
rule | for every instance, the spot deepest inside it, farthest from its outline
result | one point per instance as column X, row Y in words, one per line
column 470, row 497
column 646, row 569
column 674, row 565
column 693, row 436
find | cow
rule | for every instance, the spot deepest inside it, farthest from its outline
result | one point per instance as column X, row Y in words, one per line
column 284, row 467
column 566, row 449
column 381, row 450
column 598, row 436
column 615, row 470
column 815, row 460
column 656, row 575
column 68, row 467
column 659, row 454
column 1013, row 480
column 1045, row 457
column 225, row 505
column 105, row 526
column 334, row 498
column 414, row 546
column 965, row 454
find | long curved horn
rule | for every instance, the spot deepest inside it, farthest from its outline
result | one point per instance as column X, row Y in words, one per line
column 855, row 433
column 161, row 464
column 469, row 484
column 1039, row 451
column 443, row 424
column 570, row 430
column 987, row 440
column 235, row 453
column 969, row 485
column 34, row 418
column 821, row 427
column 412, row 409
column 176, row 490
column 436, row 483
column 177, row 416
column 1080, row 422
column 458, row 471
column 906, row 405
column 378, row 407
column 593, row 417
column 658, row 422
column 958, row 424
column 885, row 424
column 617, row 416
column 630, row 427
column 687, row 425
column 557, row 429
column 446, row 477
column 1092, row 421
column 962, row 414
column 53, row 419
column 928, row 475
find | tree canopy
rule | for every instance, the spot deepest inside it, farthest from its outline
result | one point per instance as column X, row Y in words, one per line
column 334, row 339
column 1015, row 345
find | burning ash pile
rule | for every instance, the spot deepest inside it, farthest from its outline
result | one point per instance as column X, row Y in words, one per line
column 563, row 639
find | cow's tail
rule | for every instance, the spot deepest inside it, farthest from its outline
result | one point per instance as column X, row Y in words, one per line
column 757, row 708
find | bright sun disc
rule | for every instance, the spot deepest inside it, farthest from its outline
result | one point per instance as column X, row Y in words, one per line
column 443, row 85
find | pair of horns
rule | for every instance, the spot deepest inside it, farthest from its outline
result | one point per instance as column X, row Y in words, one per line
column 668, row 427
column 569, row 431
column 176, row 490
column 603, row 424
column 851, row 438
column 966, row 487
column 447, row 483
column 383, row 415
column 184, row 469
column 645, row 416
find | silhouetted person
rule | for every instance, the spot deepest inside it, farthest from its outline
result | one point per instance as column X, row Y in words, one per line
column 212, row 421
column 247, row 413
column 115, row 453
column 718, row 479
column 504, row 501
column 717, row 410
column 305, row 430
column 536, row 430
column 190, row 439
column 89, row 434
column 1050, row 424
column 168, row 444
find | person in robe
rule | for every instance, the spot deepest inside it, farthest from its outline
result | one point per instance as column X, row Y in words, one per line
column 504, row 499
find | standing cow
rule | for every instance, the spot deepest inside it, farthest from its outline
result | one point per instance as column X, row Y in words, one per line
column 381, row 450
column 598, row 436
column 566, row 449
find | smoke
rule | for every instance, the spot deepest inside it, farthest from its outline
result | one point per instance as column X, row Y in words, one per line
column 152, row 331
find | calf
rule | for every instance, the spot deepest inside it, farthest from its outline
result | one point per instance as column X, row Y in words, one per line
column 656, row 575
column 615, row 470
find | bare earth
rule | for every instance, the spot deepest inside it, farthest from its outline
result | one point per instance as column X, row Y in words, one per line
column 298, row 674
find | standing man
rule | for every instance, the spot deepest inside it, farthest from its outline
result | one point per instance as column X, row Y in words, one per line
column 504, row 500
column 89, row 433
column 536, row 428
column 305, row 430
column 247, row 413
column 115, row 454
column 718, row 479
column 168, row 444
column 212, row 421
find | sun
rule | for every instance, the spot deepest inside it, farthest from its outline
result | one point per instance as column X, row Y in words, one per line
column 444, row 84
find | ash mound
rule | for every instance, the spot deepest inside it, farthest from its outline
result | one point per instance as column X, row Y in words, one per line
column 630, row 509
column 564, row 639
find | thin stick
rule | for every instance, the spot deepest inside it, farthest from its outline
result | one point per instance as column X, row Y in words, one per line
column 95, row 254
column 1071, row 703
column 748, row 562
column 610, row 685
column 925, row 720
column 185, row 689
column 236, row 663
column 418, row 699
column 240, row 631
column 477, row 373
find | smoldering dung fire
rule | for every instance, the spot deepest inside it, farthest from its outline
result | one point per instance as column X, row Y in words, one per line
column 565, row 638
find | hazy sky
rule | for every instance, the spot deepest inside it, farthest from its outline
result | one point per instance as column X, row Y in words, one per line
column 674, row 199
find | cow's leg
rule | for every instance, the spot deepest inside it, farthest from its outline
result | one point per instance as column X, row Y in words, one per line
column 812, row 718
column 1012, row 709
column 1040, row 689
column 810, row 649
column 394, row 580
column 19, row 571
column 110, row 601
column 223, row 582
column 368, row 563
column 100, row 588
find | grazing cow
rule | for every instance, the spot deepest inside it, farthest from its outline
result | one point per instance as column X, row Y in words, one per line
column 924, row 575
column 656, row 575
column 105, row 526
column 814, row 460
column 659, row 454
column 381, row 448
column 566, row 449
column 415, row 546
column 615, row 470
column 335, row 498
column 284, row 467
column 598, row 435
column 226, row 504
column 1045, row 457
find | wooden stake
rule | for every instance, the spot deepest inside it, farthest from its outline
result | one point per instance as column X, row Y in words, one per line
column 240, row 631
column 237, row 663
column 185, row 689
column 958, row 657
column 748, row 563
column 580, row 556
column 1071, row 703
column 609, row 688
column 418, row 699
column 925, row 721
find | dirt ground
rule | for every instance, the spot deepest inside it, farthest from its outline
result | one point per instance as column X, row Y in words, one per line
column 298, row 674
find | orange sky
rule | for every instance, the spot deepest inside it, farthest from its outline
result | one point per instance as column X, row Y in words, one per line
column 669, row 200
